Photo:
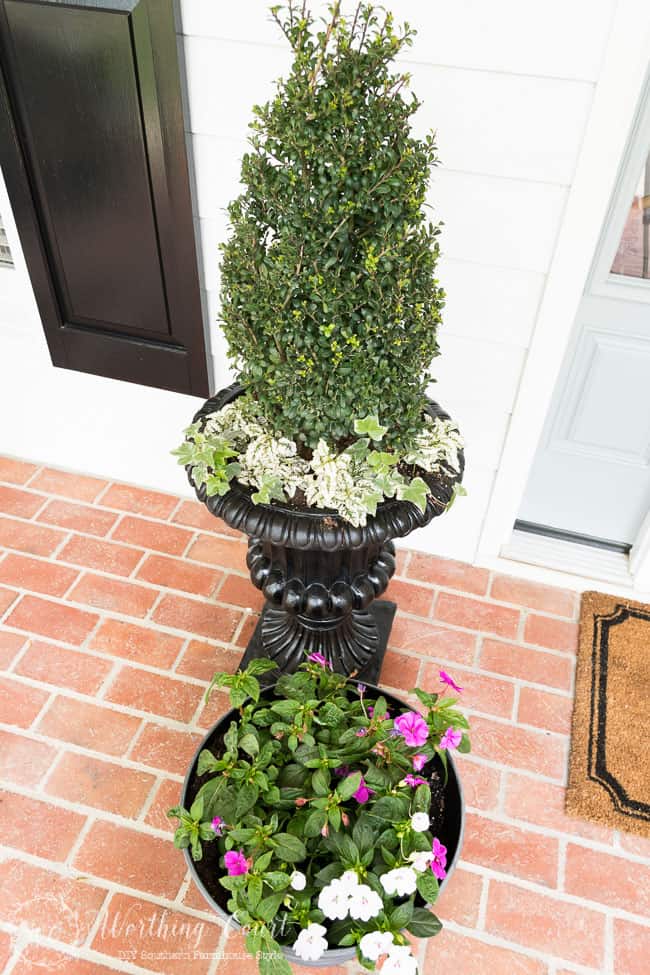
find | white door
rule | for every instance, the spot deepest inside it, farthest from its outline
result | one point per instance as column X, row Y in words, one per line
column 591, row 474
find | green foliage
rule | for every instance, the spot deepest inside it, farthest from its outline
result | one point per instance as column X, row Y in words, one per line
column 330, row 302
column 285, row 786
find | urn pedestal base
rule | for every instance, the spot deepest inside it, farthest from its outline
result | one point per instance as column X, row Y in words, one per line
column 370, row 628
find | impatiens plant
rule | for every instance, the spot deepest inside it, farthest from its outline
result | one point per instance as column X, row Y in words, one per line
column 329, row 298
column 320, row 810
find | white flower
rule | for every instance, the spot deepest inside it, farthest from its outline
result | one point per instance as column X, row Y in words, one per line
column 421, row 859
column 364, row 903
column 298, row 880
column 401, row 881
column 376, row 943
column 349, row 880
column 310, row 943
column 419, row 822
column 400, row 961
column 333, row 900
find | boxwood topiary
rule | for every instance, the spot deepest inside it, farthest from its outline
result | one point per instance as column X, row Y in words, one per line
column 329, row 297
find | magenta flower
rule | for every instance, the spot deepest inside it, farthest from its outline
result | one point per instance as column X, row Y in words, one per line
column 342, row 771
column 419, row 761
column 413, row 727
column 318, row 658
column 363, row 793
column 236, row 863
column 450, row 682
column 361, row 733
column 218, row 825
column 414, row 780
column 450, row 739
column 439, row 861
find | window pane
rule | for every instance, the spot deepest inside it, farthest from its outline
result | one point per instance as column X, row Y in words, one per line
column 633, row 254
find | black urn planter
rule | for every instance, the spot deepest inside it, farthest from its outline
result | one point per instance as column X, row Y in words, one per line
column 320, row 575
column 447, row 814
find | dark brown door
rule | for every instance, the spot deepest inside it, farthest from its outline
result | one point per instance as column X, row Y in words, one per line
column 92, row 148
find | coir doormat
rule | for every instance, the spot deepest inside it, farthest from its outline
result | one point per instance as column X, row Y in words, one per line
column 609, row 774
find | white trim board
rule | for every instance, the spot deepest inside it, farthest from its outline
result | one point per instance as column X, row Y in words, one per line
column 614, row 109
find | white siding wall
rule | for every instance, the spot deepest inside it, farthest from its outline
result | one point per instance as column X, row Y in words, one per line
column 508, row 87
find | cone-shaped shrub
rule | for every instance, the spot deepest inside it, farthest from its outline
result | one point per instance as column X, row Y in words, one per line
column 329, row 297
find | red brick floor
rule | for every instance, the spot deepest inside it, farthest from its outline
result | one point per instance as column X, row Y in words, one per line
column 116, row 605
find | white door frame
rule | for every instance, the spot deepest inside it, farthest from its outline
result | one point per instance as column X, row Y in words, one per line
column 614, row 109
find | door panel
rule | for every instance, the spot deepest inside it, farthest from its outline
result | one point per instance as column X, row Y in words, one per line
column 591, row 474
column 93, row 151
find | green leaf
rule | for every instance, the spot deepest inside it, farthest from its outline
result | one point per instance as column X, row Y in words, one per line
column 320, row 782
column 417, row 491
column 349, row 785
column 289, row 848
column 207, row 762
column 246, row 798
column 427, row 886
column 286, row 709
column 254, row 892
column 238, row 696
column 427, row 699
column 253, row 941
column 464, row 745
column 268, row 907
column 390, row 808
column 251, row 686
column 401, row 915
column 423, row 924
column 370, row 426
column 250, row 744
column 271, row 960
column 196, row 809
column 231, row 737
column 315, row 822
column 260, row 665
column 181, row 838
column 328, row 873
column 422, row 799
column 277, row 879
column 363, row 835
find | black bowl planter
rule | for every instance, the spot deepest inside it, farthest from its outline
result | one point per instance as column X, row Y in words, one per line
column 447, row 814
column 320, row 574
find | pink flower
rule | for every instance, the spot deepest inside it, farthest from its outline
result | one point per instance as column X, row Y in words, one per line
column 218, row 825
column 450, row 682
column 414, row 780
column 318, row 658
column 419, row 761
column 439, row 861
column 236, row 863
column 363, row 793
column 413, row 727
column 361, row 733
column 450, row 739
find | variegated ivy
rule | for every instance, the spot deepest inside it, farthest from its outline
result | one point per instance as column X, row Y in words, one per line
column 237, row 442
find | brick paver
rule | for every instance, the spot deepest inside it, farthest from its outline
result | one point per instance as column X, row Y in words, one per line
column 121, row 602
